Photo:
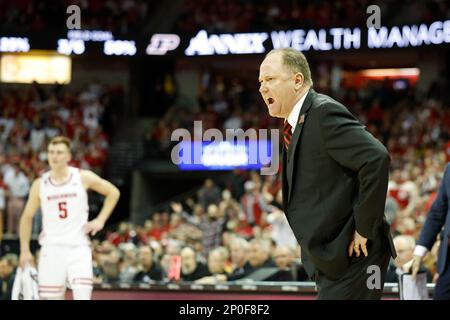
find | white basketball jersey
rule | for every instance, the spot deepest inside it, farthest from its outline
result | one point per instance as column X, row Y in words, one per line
column 65, row 210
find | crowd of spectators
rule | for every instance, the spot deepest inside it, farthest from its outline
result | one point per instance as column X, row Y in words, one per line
column 211, row 235
column 405, row 120
column 247, row 16
column 131, row 16
column 223, row 102
column 29, row 118
column 123, row 17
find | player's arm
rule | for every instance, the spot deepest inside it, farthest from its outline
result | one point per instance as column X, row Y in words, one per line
column 26, row 224
column 94, row 182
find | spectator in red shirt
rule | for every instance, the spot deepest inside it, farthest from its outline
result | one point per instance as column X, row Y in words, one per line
column 253, row 204
column 157, row 230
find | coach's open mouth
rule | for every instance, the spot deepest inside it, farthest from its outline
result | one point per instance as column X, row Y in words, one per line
column 270, row 101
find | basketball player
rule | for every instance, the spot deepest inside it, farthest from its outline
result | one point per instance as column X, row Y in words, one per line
column 61, row 193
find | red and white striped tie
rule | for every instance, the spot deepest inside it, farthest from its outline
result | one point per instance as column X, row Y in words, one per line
column 287, row 135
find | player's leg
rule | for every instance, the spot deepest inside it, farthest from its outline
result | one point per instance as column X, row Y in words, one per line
column 80, row 273
column 51, row 273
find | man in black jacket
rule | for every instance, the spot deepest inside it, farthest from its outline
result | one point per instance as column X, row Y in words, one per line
column 150, row 271
column 191, row 269
column 334, row 182
column 7, row 275
column 239, row 248
column 404, row 245
column 259, row 254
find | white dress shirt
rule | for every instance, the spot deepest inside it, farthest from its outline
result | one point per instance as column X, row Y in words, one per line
column 293, row 116
column 420, row 250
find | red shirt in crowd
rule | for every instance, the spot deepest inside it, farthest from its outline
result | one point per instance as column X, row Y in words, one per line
column 400, row 196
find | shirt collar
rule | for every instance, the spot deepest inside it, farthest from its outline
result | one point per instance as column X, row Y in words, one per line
column 293, row 116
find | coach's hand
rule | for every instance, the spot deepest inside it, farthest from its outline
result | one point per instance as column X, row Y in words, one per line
column 94, row 226
column 357, row 244
column 26, row 258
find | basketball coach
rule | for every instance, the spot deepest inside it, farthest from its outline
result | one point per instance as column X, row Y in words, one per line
column 335, row 176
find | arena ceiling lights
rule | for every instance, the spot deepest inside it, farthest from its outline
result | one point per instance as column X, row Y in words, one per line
column 385, row 73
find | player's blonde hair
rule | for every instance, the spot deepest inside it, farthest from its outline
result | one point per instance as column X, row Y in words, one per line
column 61, row 139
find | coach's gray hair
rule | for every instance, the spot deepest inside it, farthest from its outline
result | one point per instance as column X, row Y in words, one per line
column 295, row 61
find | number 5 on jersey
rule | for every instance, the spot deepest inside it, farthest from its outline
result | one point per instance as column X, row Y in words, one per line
column 62, row 209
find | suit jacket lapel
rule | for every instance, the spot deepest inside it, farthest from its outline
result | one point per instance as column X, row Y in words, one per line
column 284, row 183
column 295, row 138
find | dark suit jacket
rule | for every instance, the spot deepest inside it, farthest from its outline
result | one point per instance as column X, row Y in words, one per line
column 335, row 178
column 438, row 217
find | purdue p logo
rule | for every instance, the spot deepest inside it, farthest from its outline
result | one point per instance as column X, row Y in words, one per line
column 161, row 43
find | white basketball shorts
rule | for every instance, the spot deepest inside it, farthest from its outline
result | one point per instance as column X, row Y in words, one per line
column 59, row 265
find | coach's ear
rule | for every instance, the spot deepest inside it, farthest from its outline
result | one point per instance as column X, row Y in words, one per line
column 299, row 79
